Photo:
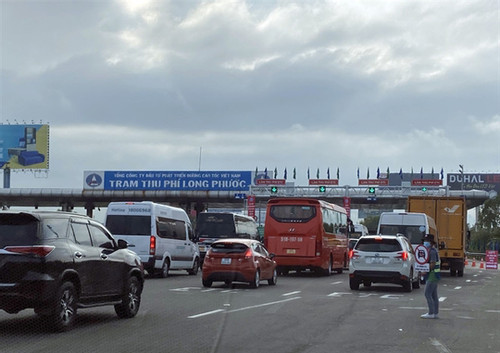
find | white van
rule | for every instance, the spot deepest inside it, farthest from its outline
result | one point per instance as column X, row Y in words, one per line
column 161, row 235
column 411, row 224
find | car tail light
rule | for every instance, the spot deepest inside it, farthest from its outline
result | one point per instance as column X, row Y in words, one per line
column 403, row 255
column 248, row 254
column 37, row 250
column 353, row 254
column 208, row 256
column 152, row 245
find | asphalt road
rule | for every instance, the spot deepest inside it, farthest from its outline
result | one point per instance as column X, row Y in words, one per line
column 303, row 313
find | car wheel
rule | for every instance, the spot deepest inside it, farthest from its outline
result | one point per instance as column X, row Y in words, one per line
column 165, row 269
column 131, row 299
column 64, row 308
column 328, row 271
column 353, row 284
column 256, row 280
column 408, row 285
column 196, row 265
column 274, row 279
column 206, row 283
column 460, row 273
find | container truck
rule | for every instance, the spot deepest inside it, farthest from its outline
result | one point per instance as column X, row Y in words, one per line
column 450, row 215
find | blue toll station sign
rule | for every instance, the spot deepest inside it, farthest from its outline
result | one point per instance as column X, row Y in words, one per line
column 168, row 180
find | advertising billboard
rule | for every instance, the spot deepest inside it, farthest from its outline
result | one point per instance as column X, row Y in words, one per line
column 168, row 180
column 24, row 146
column 474, row 181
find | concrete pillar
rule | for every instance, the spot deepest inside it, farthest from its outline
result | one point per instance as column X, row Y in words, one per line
column 89, row 207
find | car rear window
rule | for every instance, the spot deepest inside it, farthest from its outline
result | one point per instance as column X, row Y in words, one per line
column 18, row 229
column 54, row 228
column 129, row 225
column 378, row 245
column 227, row 248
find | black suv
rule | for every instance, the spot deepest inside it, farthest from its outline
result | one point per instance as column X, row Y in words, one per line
column 56, row 262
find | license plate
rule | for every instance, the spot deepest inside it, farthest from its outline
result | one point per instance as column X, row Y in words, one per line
column 225, row 261
column 290, row 251
column 376, row 260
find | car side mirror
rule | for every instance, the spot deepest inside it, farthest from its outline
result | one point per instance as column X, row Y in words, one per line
column 122, row 244
column 272, row 255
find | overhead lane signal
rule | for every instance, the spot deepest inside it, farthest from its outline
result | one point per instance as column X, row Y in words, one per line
column 371, row 190
column 274, row 189
column 322, row 188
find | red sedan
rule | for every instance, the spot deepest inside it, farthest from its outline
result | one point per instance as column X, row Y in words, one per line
column 238, row 260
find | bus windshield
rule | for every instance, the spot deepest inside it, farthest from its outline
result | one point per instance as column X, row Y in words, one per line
column 215, row 225
column 293, row 213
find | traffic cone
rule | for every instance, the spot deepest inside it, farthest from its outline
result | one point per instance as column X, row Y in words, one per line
column 466, row 261
column 482, row 264
column 473, row 262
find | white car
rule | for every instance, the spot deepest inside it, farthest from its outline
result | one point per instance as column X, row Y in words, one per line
column 383, row 259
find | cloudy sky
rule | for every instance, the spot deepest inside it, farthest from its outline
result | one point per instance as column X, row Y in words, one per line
column 148, row 85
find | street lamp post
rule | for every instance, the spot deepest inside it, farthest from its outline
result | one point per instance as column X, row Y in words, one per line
column 462, row 177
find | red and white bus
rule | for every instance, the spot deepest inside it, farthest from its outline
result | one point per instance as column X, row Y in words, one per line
column 306, row 234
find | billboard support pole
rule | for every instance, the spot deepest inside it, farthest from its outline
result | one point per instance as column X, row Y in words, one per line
column 6, row 178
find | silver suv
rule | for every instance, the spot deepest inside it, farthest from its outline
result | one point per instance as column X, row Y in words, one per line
column 383, row 259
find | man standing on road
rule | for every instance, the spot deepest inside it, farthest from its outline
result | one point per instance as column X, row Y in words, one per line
column 432, row 278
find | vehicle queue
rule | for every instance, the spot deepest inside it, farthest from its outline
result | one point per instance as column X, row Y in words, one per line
column 300, row 234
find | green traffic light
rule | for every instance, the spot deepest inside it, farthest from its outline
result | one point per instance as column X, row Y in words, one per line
column 322, row 189
column 371, row 190
column 274, row 189
column 424, row 189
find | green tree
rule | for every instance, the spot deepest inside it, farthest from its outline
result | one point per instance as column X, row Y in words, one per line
column 487, row 228
column 371, row 223
column 489, row 216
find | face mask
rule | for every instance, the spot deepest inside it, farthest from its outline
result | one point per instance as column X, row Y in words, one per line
column 427, row 244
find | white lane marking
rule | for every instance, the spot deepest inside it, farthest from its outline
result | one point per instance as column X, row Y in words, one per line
column 458, row 287
column 421, row 308
column 241, row 309
column 442, row 299
column 366, row 295
column 337, row 294
column 465, row 317
column 468, row 281
column 493, row 311
column 208, row 290
column 291, row 293
column 439, row 346
column 205, row 314
column 338, row 282
column 265, row 304
column 391, row 296
column 185, row 289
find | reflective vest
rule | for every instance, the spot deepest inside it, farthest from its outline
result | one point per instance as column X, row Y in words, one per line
column 437, row 267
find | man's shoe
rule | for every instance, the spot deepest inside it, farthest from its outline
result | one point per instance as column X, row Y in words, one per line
column 427, row 316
